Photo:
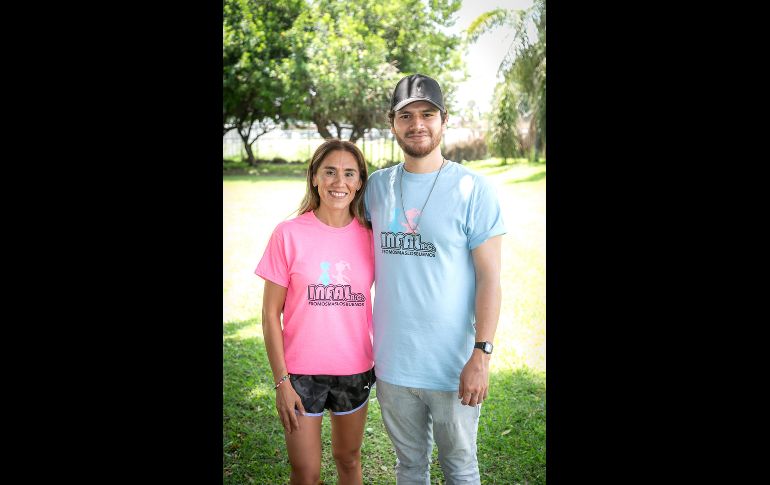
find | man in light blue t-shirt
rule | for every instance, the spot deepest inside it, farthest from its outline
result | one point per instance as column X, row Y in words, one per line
column 437, row 229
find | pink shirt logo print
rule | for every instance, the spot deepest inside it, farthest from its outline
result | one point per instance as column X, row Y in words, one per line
column 335, row 289
column 339, row 277
column 324, row 278
column 410, row 225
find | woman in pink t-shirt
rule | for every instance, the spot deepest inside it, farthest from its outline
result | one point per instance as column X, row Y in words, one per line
column 318, row 270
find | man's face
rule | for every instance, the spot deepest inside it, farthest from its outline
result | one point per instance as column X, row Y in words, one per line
column 418, row 128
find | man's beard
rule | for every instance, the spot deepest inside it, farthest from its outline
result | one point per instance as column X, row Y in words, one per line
column 419, row 152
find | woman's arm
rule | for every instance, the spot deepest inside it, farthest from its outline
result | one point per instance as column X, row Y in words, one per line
column 286, row 398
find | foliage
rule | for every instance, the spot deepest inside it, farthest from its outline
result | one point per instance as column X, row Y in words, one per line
column 524, row 78
column 255, row 53
column 504, row 133
column 329, row 62
column 349, row 56
column 341, row 71
column 467, row 150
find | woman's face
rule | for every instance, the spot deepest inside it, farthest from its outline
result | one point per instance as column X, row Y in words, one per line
column 338, row 179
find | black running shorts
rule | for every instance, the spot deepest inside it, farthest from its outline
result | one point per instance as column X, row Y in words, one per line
column 339, row 394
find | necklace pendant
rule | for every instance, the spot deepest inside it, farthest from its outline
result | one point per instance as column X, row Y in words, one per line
column 414, row 213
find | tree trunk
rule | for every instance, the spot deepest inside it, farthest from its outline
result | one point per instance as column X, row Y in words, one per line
column 339, row 129
column 356, row 133
column 320, row 125
column 250, row 154
column 247, row 146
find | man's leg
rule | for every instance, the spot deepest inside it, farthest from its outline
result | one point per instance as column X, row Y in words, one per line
column 455, row 428
column 408, row 424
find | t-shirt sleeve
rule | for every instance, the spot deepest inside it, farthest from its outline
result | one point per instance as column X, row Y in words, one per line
column 485, row 220
column 371, row 247
column 366, row 203
column 273, row 265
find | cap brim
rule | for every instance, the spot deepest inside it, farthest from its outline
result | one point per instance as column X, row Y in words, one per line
column 412, row 100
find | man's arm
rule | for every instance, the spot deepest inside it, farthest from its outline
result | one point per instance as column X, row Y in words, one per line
column 474, row 379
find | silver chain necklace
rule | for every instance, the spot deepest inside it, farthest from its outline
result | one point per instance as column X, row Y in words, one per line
column 401, row 193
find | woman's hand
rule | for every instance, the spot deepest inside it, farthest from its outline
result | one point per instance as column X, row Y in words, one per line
column 286, row 398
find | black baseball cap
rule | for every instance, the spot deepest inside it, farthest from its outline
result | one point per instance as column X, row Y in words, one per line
column 417, row 88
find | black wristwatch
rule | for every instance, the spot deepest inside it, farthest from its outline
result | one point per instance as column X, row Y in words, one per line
column 485, row 347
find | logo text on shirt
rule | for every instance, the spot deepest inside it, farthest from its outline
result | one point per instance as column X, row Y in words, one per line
column 406, row 244
column 333, row 295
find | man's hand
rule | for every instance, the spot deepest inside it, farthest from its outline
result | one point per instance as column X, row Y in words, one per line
column 285, row 400
column 474, row 379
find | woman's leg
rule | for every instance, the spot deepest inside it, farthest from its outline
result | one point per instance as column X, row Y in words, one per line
column 304, row 447
column 347, row 435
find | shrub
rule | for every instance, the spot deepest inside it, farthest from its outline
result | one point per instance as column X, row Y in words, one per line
column 467, row 150
column 228, row 165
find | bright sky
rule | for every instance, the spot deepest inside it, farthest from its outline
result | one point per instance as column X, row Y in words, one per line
column 484, row 55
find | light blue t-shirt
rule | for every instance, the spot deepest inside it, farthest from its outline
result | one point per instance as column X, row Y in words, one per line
column 425, row 283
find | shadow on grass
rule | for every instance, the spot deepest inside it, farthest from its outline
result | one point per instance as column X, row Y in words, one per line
column 511, row 440
column 532, row 178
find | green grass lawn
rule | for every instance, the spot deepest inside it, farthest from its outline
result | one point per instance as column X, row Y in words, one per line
column 512, row 425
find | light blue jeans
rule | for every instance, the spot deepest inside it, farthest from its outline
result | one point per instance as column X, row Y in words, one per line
column 414, row 418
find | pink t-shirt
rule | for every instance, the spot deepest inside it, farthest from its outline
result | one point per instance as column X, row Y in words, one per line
column 328, row 272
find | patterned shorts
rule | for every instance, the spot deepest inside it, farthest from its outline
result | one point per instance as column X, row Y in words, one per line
column 339, row 394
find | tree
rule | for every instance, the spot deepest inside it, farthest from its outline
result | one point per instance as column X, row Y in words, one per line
column 255, row 90
column 341, row 70
column 504, row 133
column 523, row 70
column 331, row 62
column 350, row 55
column 412, row 31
